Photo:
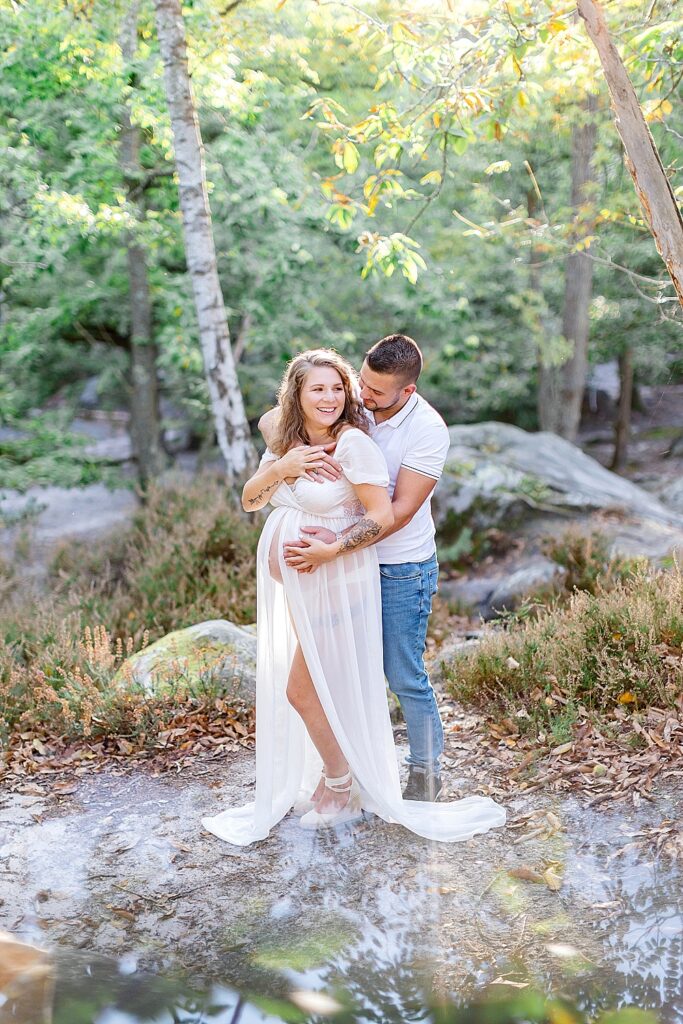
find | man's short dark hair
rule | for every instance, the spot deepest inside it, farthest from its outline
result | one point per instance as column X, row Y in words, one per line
column 396, row 354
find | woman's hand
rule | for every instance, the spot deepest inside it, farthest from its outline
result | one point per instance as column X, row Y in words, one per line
column 312, row 461
column 293, row 548
column 308, row 553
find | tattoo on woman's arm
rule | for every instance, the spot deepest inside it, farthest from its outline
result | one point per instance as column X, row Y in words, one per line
column 363, row 532
column 262, row 493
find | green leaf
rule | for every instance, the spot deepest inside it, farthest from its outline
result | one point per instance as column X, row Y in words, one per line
column 350, row 158
column 458, row 143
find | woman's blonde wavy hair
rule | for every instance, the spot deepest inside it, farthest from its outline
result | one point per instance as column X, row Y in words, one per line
column 290, row 428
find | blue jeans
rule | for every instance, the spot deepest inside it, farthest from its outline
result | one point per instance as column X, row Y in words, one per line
column 407, row 590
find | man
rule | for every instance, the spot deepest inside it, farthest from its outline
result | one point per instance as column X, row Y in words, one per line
column 414, row 440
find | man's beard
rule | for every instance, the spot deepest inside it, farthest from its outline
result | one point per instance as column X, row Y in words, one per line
column 372, row 406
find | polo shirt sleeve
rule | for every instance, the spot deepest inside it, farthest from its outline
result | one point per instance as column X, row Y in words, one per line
column 427, row 449
column 361, row 459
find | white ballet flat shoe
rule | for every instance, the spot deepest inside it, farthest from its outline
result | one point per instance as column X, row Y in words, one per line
column 301, row 807
column 351, row 811
column 305, row 804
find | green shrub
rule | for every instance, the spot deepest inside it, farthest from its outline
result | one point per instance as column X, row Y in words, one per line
column 50, row 453
column 600, row 651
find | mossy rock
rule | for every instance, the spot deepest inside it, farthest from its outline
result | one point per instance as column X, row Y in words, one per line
column 211, row 657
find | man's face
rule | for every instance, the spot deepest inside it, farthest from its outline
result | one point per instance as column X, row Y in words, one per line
column 382, row 391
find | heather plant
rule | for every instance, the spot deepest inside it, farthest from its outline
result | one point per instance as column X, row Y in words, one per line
column 619, row 647
column 189, row 556
column 78, row 686
column 64, row 684
column 588, row 561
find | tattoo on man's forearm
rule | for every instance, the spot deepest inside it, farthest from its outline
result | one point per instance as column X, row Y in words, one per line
column 363, row 532
column 262, row 493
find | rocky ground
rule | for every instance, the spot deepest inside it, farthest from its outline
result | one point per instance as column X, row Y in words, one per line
column 111, row 857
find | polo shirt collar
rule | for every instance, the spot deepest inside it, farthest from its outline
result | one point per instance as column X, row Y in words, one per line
column 397, row 419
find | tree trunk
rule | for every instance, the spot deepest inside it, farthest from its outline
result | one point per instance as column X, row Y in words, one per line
column 642, row 158
column 578, row 283
column 546, row 397
column 144, row 400
column 232, row 428
column 623, row 421
column 241, row 339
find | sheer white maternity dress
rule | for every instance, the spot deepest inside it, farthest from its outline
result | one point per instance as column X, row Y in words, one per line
column 336, row 614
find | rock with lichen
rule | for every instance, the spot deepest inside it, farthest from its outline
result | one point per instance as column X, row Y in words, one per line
column 213, row 656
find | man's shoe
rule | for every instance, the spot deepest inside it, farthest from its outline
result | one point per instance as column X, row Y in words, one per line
column 422, row 784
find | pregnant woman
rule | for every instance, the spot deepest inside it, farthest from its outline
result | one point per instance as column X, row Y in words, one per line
column 324, row 743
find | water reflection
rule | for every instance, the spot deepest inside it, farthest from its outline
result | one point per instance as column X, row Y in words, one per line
column 380, row 936
column 91, row 990
column 641, row 899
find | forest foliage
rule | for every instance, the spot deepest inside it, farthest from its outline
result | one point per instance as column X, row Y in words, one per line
column 370, row 169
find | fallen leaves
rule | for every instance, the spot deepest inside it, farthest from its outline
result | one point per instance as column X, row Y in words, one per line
column 37, row 765
column 525, row 874
column 616, row 759
column 500, row 980
column 593, row 762
column 121, row 912
column 543, row 825
column 122, row 844
column 550, row 875
column 564, row 748
column 666, row 839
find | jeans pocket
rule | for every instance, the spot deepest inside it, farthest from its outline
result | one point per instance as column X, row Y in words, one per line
column 433, row 580
column 401, row 572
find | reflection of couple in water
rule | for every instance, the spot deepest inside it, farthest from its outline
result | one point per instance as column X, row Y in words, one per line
column 346, row 572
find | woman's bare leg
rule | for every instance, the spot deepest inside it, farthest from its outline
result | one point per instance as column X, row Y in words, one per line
column 302, row 695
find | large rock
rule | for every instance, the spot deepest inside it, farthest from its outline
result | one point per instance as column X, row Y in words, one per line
column 67, row 513
column 535, row 484
column 539, row 575
column 178, row 433
column 502, row 465
column 672, row 495
column 89, row 397
column 216, row 651
column 488, row 596
column 112, row 450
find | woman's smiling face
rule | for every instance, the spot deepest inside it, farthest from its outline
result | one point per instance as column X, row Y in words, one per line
column 322, row 398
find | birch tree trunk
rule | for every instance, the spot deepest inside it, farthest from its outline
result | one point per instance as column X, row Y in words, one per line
column 232, row 428
column 642, row 158
column 144, row 399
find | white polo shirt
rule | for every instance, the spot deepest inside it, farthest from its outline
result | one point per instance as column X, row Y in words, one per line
column 415, row 438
